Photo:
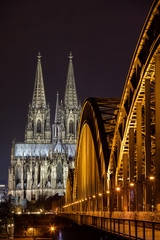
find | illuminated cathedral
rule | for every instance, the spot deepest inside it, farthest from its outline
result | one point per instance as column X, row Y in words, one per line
column 39, row 166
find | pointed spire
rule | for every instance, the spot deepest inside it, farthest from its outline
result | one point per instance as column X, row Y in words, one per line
column 57, row 113
column 70, row 99
column 39, row 99
column 70, row 57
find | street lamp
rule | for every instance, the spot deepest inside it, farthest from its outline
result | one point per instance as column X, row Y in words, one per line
column 52, row 228
column 132, row 184
column 118, row 200
column 152, row 178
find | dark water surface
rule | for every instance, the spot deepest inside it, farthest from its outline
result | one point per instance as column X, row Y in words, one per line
column 34, row 227
column 67, row 230
column 78, row 234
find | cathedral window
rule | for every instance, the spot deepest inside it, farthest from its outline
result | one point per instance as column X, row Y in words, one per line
column 38, row 126
column 26, row 172
column 39, row 175
column 18, row 177
column 48, row 184
column 59, row 172
column 71, row 126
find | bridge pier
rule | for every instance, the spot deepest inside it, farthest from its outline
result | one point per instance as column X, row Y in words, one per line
column 131, row 170
column 139, row 185
column 125, row 192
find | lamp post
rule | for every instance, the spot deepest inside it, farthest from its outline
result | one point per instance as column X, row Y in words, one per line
column 118, row 200
column 132, row 197
column 101, row 202
column 152, row 179
column 52, row 230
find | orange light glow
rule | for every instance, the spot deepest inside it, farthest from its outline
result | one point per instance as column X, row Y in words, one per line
column 118, row 189
column 131, row 184
column 151, row 177
column 30, row 229
column 52, row 228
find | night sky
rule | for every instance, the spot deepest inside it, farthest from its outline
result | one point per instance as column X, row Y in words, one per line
column 102, row 35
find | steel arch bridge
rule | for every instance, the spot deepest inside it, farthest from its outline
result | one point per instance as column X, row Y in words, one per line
column 117, row 165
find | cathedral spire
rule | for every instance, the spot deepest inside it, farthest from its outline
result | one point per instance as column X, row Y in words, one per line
column 39, row 99
column 70, row 99
column 57, row 114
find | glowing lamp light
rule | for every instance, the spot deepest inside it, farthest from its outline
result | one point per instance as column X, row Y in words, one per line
column 94, row 196
column 151, row 177
column 131, row 184
column 52, row 228
column 118, row 189
column 100, row 194
column 85, row 199
column 108, row 192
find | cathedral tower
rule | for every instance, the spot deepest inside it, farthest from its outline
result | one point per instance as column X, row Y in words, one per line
column 67, row 114
column 39, row 166
column 57, row 129
column 38, row 128
column 72, row 109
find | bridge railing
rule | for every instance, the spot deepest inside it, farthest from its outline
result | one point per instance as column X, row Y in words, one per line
column 132, row 229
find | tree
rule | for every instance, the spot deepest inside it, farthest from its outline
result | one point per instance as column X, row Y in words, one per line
column 6, row 210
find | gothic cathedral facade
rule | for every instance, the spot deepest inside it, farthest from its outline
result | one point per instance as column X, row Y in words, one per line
column 39, row 166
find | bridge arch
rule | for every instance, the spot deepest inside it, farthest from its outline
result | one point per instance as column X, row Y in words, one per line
column 90, row 164
column 125, row 134
column 92, row 156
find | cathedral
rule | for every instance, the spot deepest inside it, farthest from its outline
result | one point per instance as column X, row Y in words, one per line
column 39, row 166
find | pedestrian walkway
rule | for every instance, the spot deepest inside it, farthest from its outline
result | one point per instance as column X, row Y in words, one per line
column 126, row 228
column 134, row 229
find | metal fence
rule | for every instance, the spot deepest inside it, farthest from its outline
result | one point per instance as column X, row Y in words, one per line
column 127, row 228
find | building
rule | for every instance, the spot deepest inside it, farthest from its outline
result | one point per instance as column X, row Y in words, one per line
column 40, row 165
column 3, row 190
